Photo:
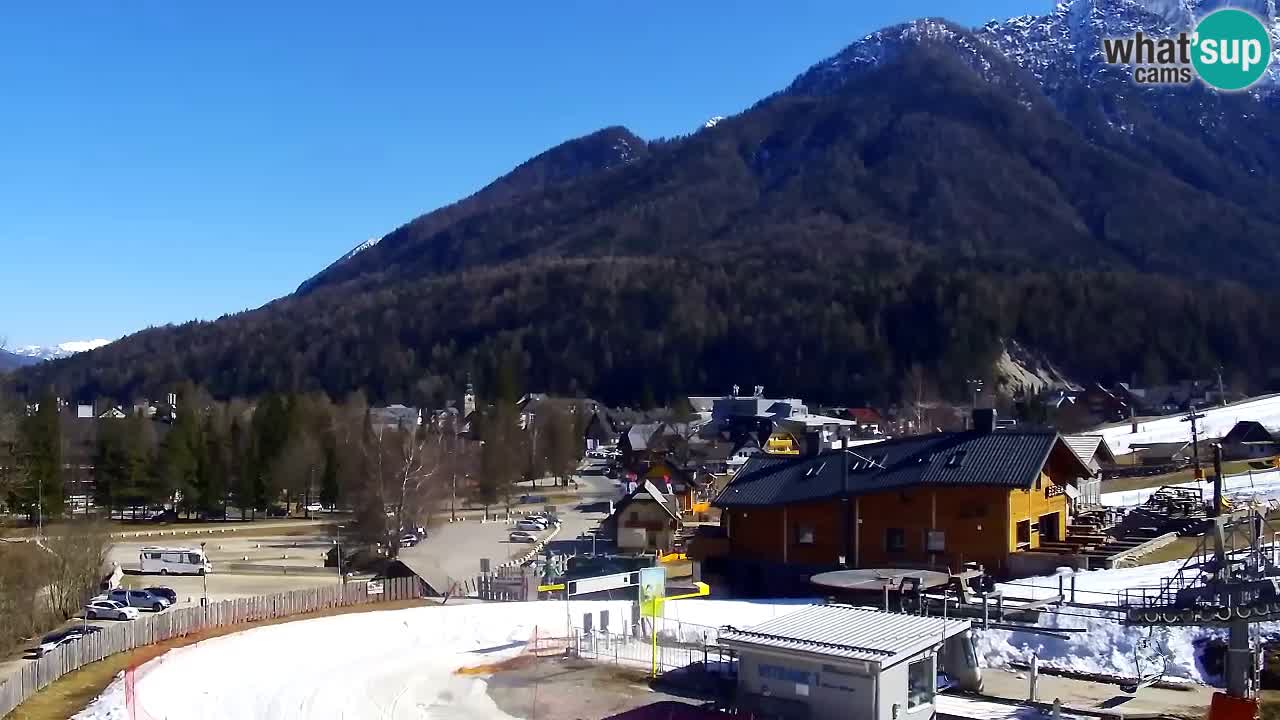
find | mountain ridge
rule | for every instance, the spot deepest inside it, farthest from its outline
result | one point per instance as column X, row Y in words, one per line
column 913, row 204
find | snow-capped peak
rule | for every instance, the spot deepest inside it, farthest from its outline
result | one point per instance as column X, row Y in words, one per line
column 713, row 121
column 357, row 250
column 61, row 350
column 350, row 254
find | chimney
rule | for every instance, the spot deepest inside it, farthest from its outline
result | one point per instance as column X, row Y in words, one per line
column 813, row 442
column 984, row 419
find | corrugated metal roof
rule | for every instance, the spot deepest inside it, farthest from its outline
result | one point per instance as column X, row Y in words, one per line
column 841, row 631
column 1086, row 446
column 1004, row 458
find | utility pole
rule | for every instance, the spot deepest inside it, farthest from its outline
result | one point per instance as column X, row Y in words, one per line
column 1191, row 417
column 975, row 388
column 1222, row 395
column 846, row 517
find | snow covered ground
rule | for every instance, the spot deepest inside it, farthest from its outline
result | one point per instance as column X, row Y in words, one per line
column 1258, row 485
column 392, row 664
column 1216, row 423
column 1104, row 646
column 402, row 663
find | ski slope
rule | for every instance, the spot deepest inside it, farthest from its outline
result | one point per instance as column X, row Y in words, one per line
column 1216, row 423
column 401, row 663
column 390, row 664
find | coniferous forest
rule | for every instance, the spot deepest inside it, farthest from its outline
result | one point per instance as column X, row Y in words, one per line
column 821, row 244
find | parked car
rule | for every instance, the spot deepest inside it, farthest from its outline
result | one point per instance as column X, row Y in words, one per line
column 138, row 599
column 164, row 592
column 408, row 540
column 522, row 536
column 315, row 507
column 530, row 525
column 276, row 511
column 109, row 610
column 61, row 637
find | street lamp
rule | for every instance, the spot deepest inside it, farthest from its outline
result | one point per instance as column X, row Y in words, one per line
column 204, row 578
column 340, row 574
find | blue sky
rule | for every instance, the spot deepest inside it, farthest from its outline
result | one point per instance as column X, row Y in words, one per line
column 163, row 161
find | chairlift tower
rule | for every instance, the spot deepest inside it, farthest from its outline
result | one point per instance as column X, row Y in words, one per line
column 1231, row 580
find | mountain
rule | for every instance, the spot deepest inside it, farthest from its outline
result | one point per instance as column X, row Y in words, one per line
column 9, row 361
column 918, row 200
column 604, row 149
column 38, row 353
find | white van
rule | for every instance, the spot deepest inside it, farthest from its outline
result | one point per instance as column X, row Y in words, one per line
column 174, row 561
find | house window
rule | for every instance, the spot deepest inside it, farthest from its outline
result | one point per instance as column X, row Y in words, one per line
column 895, row 539
column 805, row 534
column 1024, row 532
column 920, row 679
column 1039, row 481
column 635, row 516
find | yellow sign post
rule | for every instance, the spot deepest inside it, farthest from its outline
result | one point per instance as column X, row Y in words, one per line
column 652, row 601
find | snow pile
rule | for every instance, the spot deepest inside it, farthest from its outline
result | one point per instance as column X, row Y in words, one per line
column 1105, row 646
column 1215, row 423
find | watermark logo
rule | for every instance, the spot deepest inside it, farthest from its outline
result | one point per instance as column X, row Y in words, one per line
column 1229, row 49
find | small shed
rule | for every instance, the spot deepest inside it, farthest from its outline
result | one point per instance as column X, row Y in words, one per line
column 837, row 661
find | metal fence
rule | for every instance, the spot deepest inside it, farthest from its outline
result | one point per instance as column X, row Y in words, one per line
column 678, row 645
column 117, row 637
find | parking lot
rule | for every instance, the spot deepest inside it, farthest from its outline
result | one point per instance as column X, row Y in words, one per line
column 242, row 567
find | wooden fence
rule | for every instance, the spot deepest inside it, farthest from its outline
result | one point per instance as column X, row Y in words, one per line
column 121, row 636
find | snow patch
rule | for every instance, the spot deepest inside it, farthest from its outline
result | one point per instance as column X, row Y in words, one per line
column 1170, row 428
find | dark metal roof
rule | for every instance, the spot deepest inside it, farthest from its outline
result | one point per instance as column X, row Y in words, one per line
column 1004, row 458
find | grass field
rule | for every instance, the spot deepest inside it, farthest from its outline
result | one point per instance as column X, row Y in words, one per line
column 69, row 694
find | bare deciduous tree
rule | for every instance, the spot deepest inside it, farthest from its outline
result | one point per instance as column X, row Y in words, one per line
column 407, row 467
column 76, row 562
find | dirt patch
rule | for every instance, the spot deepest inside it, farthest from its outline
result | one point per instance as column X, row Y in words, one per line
column 69, row 694
column 569, row 688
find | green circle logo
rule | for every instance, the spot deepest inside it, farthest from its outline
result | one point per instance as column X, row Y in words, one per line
column 1232, row 49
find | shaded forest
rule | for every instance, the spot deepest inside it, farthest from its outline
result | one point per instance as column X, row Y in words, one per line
column 818, row 244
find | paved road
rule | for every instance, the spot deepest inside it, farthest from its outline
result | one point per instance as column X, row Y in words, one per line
column 456, row 548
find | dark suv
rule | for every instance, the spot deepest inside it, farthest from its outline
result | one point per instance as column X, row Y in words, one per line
column 139, row 599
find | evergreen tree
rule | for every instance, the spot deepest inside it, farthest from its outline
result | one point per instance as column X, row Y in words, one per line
column 178, row 460
column 329, row 487
column 243, row 468
column 42, row 493
column 213, row 470
column 271, row 421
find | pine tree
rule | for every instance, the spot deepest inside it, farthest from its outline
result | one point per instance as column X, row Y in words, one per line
column 243, row 470
column 178, row 461
column 212, row 470
column 42, row 493
column 329, row 489
column 270, row 434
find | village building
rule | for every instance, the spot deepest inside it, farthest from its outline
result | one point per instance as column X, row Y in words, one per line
column 599, row 431
column 829, row 662
column 1249, row 440
column 943, row 500
column 647, row 519
column 1096, row 454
